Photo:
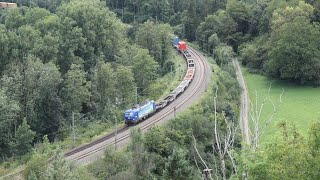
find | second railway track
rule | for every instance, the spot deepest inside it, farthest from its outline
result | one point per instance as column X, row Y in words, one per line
column 92, row 151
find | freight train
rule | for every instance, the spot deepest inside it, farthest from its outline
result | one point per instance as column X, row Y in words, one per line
column 142, row 111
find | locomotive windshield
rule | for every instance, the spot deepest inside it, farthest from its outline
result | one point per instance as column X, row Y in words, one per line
column 129, row 114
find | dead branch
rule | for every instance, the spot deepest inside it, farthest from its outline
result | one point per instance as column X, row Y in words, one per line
column 256, row 117
column 224, row 146
column 195, row 147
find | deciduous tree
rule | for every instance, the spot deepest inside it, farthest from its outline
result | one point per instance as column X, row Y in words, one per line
column 144, row 68
column 75, row 90
column 125, row 86
column 22, row 142
column 295, row 54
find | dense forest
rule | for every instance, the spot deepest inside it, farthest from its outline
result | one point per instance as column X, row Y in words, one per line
column 259, row 30
column 78, row 59
column 87, row 57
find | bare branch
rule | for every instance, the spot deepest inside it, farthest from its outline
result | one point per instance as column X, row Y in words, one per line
column 233, row 163
column 195, row 147
column 194, row 158
column 216, row 169
column 215, row 117
column 275, row 109
column 256, row 116
column 281, row 95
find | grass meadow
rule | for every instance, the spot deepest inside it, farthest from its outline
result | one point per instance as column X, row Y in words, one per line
column 300, row 104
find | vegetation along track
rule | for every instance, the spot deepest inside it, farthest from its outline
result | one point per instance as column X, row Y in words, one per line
column 92, row 151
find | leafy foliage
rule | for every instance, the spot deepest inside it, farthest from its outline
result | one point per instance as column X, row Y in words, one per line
column 296, row 54
column 76, row 89
column 272, row 161
column 24, row 137
column 155, row 38
column 73, row 56
column 58, row 168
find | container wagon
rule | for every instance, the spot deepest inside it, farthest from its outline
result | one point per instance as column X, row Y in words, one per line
column 7, row 5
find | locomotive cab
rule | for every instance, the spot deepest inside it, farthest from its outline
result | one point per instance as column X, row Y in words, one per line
column 175, row 42
column 131, row 116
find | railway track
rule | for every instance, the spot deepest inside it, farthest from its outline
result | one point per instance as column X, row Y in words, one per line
column 92, row 151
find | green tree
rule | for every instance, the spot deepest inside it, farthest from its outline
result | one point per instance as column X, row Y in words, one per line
column 37, row 166
column 41, row 104
column 75, row 90
column 9, row 110
column 295, row 53
column 59, row 168
column 224, row 54
column 272, row 161
column 47, row 50
column 157, row 141
column 15, row 18
column 105, row 85
column 28, row 38
column 314, row 151
column 289, row 13
column 177, row 166
column 12, row 83
column 213, row 42
column 155, row 38
column 32, row 176
column 220, row 23
column 126, row 54
column 22, row 142
column 115, row 162
column 72, row 42
column 38, row 163
column 4, row 48
column 144, row 68
column 249, row 55
column 36, row 14
column 239, row 13
column 96, row 31
column 125, row 86
column 190, row 21
column 140, row 160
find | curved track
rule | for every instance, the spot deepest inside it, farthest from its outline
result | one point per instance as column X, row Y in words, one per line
column 94, row 150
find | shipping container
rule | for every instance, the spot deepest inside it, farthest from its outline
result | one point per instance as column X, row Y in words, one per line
column 12, row 5
column 7, row 5
column 182, row 46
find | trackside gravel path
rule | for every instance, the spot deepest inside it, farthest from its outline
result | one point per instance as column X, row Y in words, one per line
column 244, row 106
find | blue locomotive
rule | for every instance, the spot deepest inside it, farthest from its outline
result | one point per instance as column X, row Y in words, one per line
column 139, row 112
column 175, row 41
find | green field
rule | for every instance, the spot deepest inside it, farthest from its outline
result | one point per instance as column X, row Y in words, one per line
column 300, row 104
